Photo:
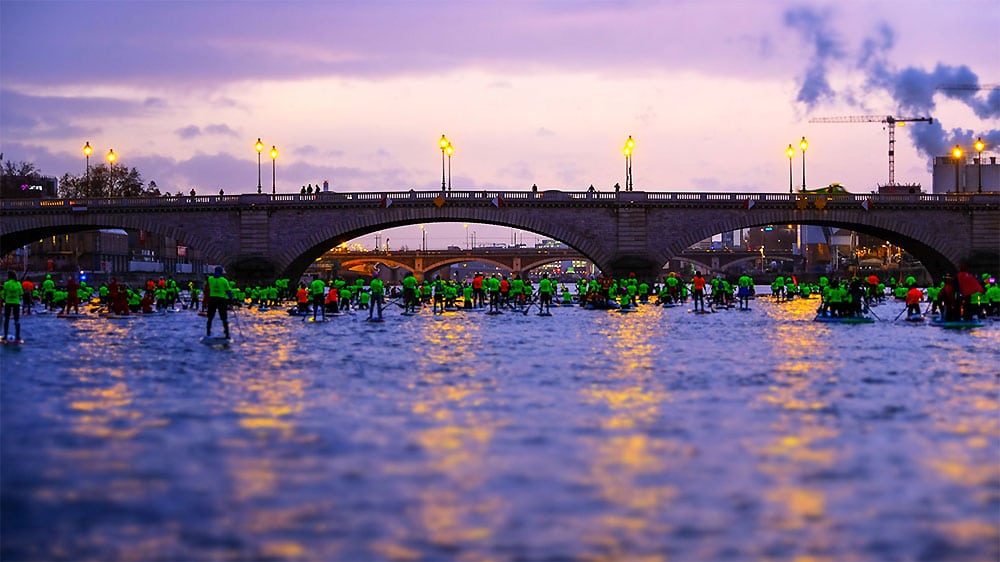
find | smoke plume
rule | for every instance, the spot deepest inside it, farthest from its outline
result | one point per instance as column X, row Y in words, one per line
column 814, row 29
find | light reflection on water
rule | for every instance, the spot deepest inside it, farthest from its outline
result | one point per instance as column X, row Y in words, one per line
column 590, row 435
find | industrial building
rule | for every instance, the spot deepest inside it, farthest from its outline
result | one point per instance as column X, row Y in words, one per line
column 962, row 175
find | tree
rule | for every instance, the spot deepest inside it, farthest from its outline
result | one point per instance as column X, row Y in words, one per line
column 21, row 168
column 124, row 182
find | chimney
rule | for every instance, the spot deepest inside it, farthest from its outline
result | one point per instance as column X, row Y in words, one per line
column 326, row 185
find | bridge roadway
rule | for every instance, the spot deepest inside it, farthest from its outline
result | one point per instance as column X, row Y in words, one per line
column 263, row 236
column 517, row 260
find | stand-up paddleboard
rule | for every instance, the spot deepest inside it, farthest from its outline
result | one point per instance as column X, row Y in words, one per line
column 545, row 314
column 71, row 316
column 202, row 313
column 215, row 341
column 120, row 316
column 745, row 309
column 692, row 311
column 262, row 309
column 625, row 310
column 494, row 313
column 374, row 320
column 844, row 319
column 310, row 320
column 915, row 318
column 957, row 324
column 9, row 341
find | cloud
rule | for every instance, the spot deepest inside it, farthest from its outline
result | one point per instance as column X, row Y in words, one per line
column 220, row 129
column 211, row 43
column 189, row 132
column 814, row 28
column 24, row 115
column 543, row 132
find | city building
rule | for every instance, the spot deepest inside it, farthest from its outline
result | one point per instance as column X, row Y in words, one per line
column 968, row 170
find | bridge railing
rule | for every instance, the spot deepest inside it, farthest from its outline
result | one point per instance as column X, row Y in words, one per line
column 487, row 196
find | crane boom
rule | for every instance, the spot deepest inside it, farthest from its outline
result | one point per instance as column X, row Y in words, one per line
column 886, row 119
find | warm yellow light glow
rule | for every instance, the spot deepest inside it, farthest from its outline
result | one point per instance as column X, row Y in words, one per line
column 803, row 144
column 112, row 156
column 450, row 149
column 87, row 150
column 444, row 142
column 956, row 152
column 259, row 146
column 627, row 151
column 790, row 151
column 274, row 153
column 630, row 144
column 980, row 145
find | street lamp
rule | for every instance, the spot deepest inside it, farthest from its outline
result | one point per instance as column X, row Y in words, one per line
column 627, row 150
column 466, row 225
column 423, row 238
column 111, row 171
column 87, row 151
column 449, row 150
column 803, row 145
column 790, row 152
column 956, row 153
column 444, row 143
column 260, row 148
column 980, row 146
column 274, row 156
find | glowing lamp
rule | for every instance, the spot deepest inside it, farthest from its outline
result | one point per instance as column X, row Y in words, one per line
column 259, row 146
column 112, row 156
column 443, row 143
column 274, row 153
column 980, row 145
column 790, row 151
column 956, row 152
column 803, row 144
column 87, row 150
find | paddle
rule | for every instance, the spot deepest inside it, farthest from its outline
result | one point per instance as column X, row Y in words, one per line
column 527, row 307
column 900, row 313
column 872, row 312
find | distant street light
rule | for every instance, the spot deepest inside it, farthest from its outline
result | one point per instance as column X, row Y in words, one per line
column 980, row 146
column 423, row 238
column 956, row 153
column 444, row 143
column 111, row 171
column 627, row 150
column 803, row 145
column 449, row 150
column 274, row 156
column 87, row 151
column 790, row 152
column 260, row 148
column 466, row 225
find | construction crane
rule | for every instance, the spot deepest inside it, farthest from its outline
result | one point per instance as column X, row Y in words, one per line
column 889, row 121
column 969, row 87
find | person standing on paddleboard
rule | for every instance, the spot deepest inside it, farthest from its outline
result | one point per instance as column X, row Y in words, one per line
column 12, row 294
column 219, row 293
column 378, row 297
column 698, row 292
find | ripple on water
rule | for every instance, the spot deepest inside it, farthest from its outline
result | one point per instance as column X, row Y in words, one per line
column 584, row 435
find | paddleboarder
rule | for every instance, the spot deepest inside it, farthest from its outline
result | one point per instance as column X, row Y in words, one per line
column 219, row 292
column 12, row 295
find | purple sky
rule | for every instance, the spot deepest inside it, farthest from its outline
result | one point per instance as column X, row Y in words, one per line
column 357, row 93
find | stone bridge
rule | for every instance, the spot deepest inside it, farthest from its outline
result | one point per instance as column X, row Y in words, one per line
column 517, row 260
column 263, row 236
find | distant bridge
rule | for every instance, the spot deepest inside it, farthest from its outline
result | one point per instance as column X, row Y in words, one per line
column 516, row 260
column 264, row 236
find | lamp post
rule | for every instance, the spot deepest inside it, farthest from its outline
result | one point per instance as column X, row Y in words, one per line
column 980, row 146
column 803, row 145
column 87, row 151
column 444, row 143
column 111, row 171
column 449, row 150
column 627, row 150
column 274, row 157
column 790, row 152
column 260, row 148
column 423, row 238
column 466, row 225
column 956, row 153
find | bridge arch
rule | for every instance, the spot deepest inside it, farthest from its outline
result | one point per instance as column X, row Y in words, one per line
column 937, row 253
column 579, row 235
column 15, row 235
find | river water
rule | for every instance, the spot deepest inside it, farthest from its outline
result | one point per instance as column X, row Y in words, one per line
column 587, row 435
